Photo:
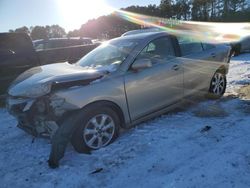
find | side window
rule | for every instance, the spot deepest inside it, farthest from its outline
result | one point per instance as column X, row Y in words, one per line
column 74, row 42
column 189, row 46
column 151, row 47
column 39, row 47
column 46, row 45
column 207, row 46
column 161, row 48
column 50, row 44
column 86, row 41
column 56, row 44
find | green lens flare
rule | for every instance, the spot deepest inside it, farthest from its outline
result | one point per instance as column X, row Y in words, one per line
column 214, row 32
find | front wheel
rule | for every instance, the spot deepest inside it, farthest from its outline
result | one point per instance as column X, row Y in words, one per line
column 96, row 129
column 218, row 85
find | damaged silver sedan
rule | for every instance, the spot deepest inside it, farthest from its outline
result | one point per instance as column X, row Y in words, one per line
column 121, row 83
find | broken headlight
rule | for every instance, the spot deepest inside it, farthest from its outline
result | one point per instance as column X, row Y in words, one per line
column 30, row 91
column 38, row 90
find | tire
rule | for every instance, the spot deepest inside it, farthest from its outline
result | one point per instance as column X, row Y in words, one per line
column 97, row 127
column 217, row 85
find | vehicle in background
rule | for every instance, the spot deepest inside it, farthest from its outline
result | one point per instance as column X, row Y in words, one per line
column 119, row 84
column 242, row 46
column 51, row 43
column 245, row 45
column 17, row 54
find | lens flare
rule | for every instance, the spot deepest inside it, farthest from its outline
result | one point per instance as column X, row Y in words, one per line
column 214, row 32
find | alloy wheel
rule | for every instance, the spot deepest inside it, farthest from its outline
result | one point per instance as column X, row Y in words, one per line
column 218, row 84
column 99, row 131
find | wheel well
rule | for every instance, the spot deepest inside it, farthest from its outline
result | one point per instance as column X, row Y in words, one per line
column 110, row 104
column 222, row 70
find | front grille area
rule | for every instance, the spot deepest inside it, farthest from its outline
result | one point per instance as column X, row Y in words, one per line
column 32, row 115
column 15, row 106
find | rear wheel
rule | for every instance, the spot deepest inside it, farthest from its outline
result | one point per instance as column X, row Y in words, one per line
column 218, row 85
column 96, row 129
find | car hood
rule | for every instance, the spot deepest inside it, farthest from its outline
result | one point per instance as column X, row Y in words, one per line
column 38, row 81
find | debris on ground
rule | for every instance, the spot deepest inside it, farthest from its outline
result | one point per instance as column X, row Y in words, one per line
column 205, row 129
column 97, row 171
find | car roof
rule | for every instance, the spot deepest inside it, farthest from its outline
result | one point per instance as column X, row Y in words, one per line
column 143, row 35
column 144, row 30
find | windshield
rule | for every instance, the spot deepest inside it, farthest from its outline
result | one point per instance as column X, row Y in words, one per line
column 109, row 55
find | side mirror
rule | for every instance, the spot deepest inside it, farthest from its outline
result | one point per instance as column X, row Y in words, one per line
column 141, row 64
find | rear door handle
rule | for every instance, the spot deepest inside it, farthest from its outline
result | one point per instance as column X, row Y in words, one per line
column 175, row 67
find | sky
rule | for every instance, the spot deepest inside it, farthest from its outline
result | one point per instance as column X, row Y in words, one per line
column 70, row 14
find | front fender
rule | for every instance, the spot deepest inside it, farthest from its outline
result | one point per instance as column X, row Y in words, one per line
column 106, row 90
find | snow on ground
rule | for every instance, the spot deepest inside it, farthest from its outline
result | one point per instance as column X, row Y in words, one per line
column 191, row 148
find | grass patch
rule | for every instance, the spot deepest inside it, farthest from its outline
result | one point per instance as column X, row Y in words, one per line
column 244, row 92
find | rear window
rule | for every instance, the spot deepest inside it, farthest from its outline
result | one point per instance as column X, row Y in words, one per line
column 87, row 41
column 189, row 45
column 55, row 44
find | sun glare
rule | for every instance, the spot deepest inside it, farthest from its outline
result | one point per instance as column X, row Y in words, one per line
column 76, row 12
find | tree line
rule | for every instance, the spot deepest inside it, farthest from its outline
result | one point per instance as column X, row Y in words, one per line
column 41, row 32
column 111, row 26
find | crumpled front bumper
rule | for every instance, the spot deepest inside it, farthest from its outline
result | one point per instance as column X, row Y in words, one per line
column 28, row 119
column 18, row 107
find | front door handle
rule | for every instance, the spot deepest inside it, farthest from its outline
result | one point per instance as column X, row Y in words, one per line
column 175, row 67
column 213, row 55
